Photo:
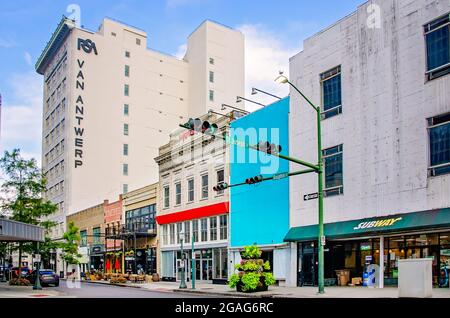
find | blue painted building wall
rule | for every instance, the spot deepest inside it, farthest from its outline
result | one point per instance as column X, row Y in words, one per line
column 260, row 213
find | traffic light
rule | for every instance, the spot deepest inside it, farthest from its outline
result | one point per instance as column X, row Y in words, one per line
column 220, row 187
column 209, row 129
column 204, row 127
column 254, row 180
column 268, row 148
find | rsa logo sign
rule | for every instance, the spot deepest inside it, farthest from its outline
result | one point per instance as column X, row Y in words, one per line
column 87, row 45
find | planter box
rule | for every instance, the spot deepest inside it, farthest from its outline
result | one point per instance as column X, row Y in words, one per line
column 261, row 288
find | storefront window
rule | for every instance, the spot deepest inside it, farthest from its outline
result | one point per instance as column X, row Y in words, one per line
column 422, row 240
column 350, row 255
column 224, row 259
column 445, row 239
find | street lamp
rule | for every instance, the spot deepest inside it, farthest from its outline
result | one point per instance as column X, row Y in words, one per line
column 225, row 106
column 282, row 79
column 183, row 268
column 256, row 90
column 240, row 99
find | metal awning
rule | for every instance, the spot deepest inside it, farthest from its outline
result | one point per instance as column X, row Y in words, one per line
column 396, row 223
column 13, row 231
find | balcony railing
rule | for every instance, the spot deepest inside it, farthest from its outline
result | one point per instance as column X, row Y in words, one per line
column 131, row 229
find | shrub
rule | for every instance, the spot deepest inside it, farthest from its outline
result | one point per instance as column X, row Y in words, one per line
column 269, row 279
column 19, row 282
column 234, row 280
column 250, row 265
column 251, row 252
column 253, row 273
column 250, row 281
column 118, row 280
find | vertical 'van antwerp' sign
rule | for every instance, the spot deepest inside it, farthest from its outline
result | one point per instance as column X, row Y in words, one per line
column 87, row 46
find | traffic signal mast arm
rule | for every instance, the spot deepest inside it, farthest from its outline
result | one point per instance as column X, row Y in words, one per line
column 262, row 179
column 228, row 140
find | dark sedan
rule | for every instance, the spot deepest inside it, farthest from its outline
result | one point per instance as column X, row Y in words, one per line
column 46, row 276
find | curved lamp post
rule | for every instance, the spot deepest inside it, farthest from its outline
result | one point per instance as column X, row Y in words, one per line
column 281, row 79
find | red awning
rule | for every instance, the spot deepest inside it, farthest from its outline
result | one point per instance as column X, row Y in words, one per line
column 197, row 213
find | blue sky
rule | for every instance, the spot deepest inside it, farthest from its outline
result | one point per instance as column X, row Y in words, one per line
column 274, row 31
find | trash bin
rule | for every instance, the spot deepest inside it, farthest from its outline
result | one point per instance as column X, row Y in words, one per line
column 343, row 277
column 61, row 274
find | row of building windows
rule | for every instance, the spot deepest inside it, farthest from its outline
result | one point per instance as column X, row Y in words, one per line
column 141, row 219
column 439, row 141
column 55, row 190
column 55, row 95
column 204, row 192
column 55, row 134
column 56, row 115
column 202, row 230
column 96, row 237
column 438, row 64
column 55, row 152
column 60, row 62
column 56, row 171
column 211, row 80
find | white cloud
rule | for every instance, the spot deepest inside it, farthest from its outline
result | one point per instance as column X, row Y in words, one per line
column 22, row 118
column 181, row 51
column 28, row 58
column 265, row 55
column 7, row 43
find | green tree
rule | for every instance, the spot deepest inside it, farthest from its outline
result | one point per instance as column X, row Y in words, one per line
column 70, row 245
column 22, row 194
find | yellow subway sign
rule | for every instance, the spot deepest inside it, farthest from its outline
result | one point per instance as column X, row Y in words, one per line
column 376, row 224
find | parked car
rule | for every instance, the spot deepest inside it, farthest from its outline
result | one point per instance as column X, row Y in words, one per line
column 15, row 272
column 46, row 276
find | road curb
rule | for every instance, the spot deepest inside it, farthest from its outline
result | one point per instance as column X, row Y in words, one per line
column 108, row 284
column 236, row 294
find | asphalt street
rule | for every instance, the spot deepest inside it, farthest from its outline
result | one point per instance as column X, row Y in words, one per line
column 87, row 290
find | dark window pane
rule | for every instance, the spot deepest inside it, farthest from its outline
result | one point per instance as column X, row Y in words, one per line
column 440, row 144
column 333, row 171
column 332, row 92
column 438, row 48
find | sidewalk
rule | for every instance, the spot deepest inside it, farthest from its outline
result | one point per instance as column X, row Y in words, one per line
column 7, row 291
column 278, row 292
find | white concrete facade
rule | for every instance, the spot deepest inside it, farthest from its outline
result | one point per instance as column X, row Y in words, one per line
column 94, row 147
column 197, row 210
column 386, row 101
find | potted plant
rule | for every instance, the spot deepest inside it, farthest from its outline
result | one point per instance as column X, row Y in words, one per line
column 253, row 274
column 130, row 253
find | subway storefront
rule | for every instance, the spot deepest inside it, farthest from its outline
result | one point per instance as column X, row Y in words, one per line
column 353, row 245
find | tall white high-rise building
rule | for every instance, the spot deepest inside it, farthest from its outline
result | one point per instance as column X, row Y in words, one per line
column 110, row 103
